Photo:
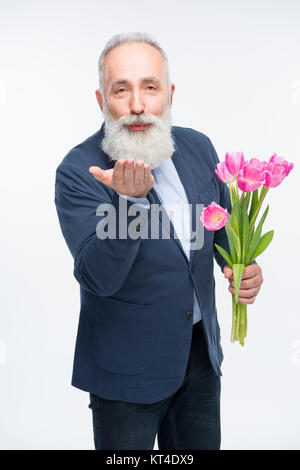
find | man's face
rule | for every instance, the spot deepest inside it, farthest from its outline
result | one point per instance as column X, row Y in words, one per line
column 136, row 104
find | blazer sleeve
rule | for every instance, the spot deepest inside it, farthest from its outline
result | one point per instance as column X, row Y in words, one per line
column 101, row 265
column 220, row 236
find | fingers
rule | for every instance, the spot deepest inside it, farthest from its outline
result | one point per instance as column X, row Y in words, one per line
column 228, row 273
column 96, row 171
column 118, row 174
column 251, row 271
column 129, row 173
column 252, row 276
column 133, row 179
column 139, row 175
column 105, row 176
column 249, row 283
column 148, row 177
column 246, row 296
column 247, row 293
column 126, row 177
column 246, row 301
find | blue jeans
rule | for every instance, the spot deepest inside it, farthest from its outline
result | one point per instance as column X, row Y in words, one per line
column 189, row 419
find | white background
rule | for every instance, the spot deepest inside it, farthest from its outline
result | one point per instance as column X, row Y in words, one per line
column 236, row 69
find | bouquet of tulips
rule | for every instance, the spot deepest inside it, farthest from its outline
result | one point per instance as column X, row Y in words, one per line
column 244, row 239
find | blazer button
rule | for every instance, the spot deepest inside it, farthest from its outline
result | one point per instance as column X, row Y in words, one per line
column 188, row 314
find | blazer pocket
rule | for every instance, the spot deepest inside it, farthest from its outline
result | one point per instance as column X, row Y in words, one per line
column 124, row 336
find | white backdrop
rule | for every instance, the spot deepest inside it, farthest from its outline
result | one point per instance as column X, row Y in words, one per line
column 236, row 69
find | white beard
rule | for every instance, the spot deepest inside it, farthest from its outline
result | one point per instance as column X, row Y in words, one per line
column 153, row 145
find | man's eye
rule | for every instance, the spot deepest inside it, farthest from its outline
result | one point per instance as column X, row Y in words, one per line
column 121, row 90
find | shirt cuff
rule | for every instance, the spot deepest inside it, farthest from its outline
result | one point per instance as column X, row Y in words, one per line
column 138, row 200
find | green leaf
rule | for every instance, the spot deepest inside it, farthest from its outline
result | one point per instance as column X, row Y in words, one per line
column 238, row 270
column 224, row 254
column 254, row 203
column 235, row 223
column 263, row 243
column 244, row 228
column 235, row 239
column 231, row 244
column 256, row 237
column 249, row 238
column 242, row 197
column 248, row 196
column 234, row 217
column 233, row 196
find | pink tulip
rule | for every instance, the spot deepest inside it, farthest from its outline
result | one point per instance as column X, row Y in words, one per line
column 280, row 161
column 252, row 175
column 214, row 217
column 276, row 169
column 234, row 162
column 223, row 173
column 274, row 174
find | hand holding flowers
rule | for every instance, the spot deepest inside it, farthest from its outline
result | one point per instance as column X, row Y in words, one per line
column 250, row 285
column 244, row 240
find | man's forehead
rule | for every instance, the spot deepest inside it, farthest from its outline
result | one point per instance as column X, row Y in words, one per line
column 128, row 61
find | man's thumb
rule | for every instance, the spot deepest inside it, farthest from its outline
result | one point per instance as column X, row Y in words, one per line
column 227, row 271
column 104, row 176
column 96, row 171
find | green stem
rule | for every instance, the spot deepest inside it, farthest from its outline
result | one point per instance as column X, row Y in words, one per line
column 237, row 187
column 237, row 334
column 230, row 195
column 242, row 323
column 262, row 196
column 234, row 317
column 237, row 242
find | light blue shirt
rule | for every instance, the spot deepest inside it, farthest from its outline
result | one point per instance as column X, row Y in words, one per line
column 171, row 193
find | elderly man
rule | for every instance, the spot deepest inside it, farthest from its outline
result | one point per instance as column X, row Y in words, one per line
column 148, row 343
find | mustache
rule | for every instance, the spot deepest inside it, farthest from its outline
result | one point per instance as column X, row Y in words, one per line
column 141, row 118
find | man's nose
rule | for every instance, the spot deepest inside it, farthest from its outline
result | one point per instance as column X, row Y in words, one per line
column 136, row 104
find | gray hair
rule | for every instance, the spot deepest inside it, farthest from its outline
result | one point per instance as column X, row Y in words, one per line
column 124, row 38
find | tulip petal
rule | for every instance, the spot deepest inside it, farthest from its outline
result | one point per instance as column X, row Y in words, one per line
column 214, row 217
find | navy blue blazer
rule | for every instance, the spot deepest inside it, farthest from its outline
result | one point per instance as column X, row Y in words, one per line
column 135, row 327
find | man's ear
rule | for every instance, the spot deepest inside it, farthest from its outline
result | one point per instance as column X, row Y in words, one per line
column 171, row 93
column 99, row 99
